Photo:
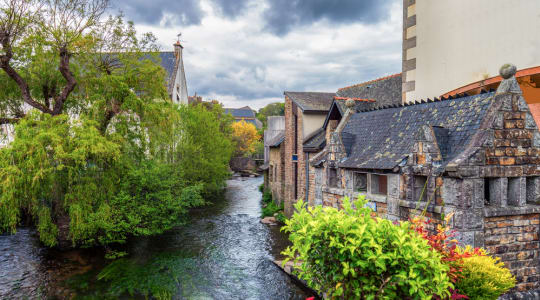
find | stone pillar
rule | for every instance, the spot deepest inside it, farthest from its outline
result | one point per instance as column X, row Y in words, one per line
column 516, row 191
column 392, row 202
column 498, row 191
column 533, row 190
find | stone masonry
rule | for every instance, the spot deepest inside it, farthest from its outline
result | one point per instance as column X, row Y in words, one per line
column 483, row 167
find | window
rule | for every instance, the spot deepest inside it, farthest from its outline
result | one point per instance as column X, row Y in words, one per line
column 379, row 184
column 332, row 177
column 420, row 188
column 487, row 191
column 360, row 182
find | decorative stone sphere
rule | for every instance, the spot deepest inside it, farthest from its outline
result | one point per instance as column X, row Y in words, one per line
column 349, row 103
column 507, row 71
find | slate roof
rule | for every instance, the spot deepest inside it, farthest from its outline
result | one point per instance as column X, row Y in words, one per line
column 381, row 139
column 168, row 61
column 315, row 141
column 243, row 112
column 276, row 140
column 386, row 90
column 255, row 122
column 312, row 101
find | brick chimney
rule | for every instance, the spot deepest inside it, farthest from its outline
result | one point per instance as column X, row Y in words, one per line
column 178, row 50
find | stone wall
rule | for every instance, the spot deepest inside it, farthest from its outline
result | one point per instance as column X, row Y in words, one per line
column 292, row 181
column 277, row 173
column 241, row 164
column 515, row 240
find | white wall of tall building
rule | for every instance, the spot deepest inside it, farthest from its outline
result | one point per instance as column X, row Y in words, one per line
column 312, row 123
column 459, row 42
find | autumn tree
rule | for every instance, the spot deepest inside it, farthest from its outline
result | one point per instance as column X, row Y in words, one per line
column 245, row 137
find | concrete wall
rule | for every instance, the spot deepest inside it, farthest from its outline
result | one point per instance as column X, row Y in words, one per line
column 312, row 122
column 452, row 43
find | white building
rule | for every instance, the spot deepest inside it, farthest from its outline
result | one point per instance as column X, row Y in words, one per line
column 456, row 46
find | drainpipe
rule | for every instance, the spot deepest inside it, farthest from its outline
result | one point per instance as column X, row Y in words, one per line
column 306, row 160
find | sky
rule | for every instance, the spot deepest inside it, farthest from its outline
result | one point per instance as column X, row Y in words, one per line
column 248, row 52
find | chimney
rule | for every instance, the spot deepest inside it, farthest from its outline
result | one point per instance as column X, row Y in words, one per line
column 178, row 50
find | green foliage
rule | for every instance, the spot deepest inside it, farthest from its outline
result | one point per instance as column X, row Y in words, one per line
column 280, row 216
column 270, row 209
column 484, row 277
column 158, row 277
column 350, row 254
column 272, row 109
column 109, row 187
column 267, row 196
column 261, row 187
column 105, row 155
column 203, row 148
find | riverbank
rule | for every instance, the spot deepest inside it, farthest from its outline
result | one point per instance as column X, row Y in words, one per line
column 224, row 252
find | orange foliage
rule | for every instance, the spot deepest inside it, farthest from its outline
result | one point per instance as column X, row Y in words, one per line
column 245, row 136
column 442, row 241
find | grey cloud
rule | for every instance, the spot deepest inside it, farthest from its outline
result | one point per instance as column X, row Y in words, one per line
column 184, row 12
column 279, row 18
column 283, row 15
column 230, row 8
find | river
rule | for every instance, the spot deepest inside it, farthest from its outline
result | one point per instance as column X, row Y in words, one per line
column 224, row 252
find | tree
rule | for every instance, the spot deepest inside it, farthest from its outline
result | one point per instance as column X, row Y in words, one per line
column 244, row 136
column 103, row 155
column 204, row 148
column 272, row 109
column 35, row 35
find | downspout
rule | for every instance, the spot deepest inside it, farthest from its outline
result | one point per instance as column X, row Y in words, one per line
column 306, row 160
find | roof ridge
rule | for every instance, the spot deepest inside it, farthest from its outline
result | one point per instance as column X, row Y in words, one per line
column 368, row 82
column 355, row 99
column 310, row 92
column 421, row 101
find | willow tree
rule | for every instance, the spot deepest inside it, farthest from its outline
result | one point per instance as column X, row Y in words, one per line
column 93, row 157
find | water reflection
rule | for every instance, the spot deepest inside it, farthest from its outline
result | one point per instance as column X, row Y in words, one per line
column 224, row 253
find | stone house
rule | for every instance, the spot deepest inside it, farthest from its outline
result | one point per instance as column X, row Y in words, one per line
column 275, row 175
column 305, row 113
column 274, row 155
column 477, row 157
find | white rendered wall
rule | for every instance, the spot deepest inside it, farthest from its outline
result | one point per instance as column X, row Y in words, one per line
column 459, row 42
column 179, row 92
column 311, row 123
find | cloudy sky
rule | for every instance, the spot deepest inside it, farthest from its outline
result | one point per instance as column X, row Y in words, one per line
column 247, row 52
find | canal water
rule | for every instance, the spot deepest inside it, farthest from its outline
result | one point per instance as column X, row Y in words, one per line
column 223, row 252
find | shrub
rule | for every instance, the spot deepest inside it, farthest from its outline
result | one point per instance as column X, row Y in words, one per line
column 267, row 197
column 271, row 209
column 281, row 217
column 484, row 277
column 350, row 254
column 441, row 240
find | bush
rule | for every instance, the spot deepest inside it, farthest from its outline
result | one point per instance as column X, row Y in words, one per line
column 474, row 274
column 281, row 217
column 484, row 277
column 350, row 254
column 267, row 197
column 271, row 209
